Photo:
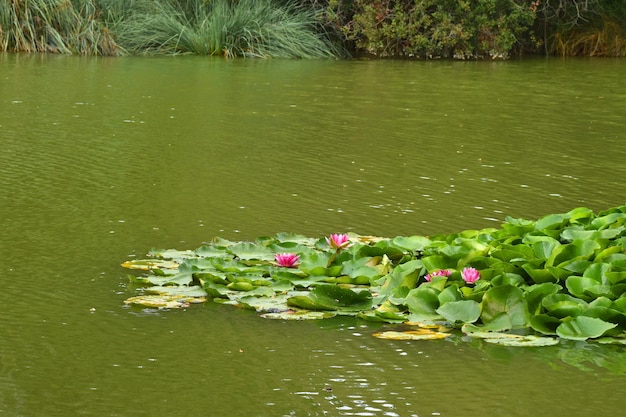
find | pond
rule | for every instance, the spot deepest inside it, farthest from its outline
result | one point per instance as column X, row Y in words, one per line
column 103, row 159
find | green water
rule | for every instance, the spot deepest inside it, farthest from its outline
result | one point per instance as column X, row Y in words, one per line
column 103, row 159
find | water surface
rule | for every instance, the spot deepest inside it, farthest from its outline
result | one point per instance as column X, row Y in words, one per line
column 103, row 159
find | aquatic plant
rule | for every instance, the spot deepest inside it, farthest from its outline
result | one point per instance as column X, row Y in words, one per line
column 527, row 283
column 287, row 260
column 338, row 241
column 470, row 275
column 439, row 273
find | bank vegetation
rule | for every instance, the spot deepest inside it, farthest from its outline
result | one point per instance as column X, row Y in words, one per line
column 428, row 29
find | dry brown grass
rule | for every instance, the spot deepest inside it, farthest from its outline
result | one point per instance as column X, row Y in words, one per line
column 608, row 41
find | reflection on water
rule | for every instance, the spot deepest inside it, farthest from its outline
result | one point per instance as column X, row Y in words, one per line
column 103, row 159
column 363, row 376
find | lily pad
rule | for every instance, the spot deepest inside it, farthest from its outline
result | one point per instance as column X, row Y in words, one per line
column 332, row 297
column 299, row 315
column 421, row 334
column 150, row 264
column 582, row 328
column 193, row 291
column 524, row 341
column 465, row 311
column 563, row 275
column 161, row 301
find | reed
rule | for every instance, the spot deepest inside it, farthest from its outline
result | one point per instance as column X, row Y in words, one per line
column 607, row 41
column 249, row 28
column 60, row 26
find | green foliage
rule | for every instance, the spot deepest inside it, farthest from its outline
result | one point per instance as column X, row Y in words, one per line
column 249, row 28
column 465, row 29
column 433, row 28
column 563, row 275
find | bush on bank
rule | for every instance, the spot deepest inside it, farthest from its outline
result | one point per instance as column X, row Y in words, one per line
column 478, row 28
column 459, row 29
column 434, row 28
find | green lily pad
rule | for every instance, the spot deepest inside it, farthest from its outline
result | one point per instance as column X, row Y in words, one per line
column 563, row 275
column 464, row 311
column 299, row 315
column 582, row 328
column 247, row 251
column 508, row 300
column 332, row 297
column 192, row 291
column 610, row 341
column 173, row 254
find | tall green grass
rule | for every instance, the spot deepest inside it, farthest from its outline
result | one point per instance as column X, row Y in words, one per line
column 60, row 26
column 249, row 28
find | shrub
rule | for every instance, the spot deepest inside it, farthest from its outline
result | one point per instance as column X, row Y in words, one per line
column 433, row 28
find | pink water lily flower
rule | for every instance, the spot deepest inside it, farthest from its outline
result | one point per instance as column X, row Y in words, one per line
column 287, row 260
column 338, row 241
column 470, row 275
column 440, row 273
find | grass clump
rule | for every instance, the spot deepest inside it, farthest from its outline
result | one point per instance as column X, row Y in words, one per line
column 60, row 26
column 248, row 28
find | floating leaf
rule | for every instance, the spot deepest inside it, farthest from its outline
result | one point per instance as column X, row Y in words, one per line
column 610, row 341
column 570, row 234
column 150, row 264
column 545, row 324
column 412, row 243
column 507, row 300
column 421, row 334
column 536, row 293
column 332, row 297
column 173, row 254
column 299, row 315
column 587, row 288
column 161, row 301
column 423, row 302
column 563, row 305
column 481, row 332
column 404, row 275
column 551, row 221
column 465, row 311
column 582, row 328
column 210, row 251
column 249, row 251
column 539, row 276
column 525, row 341
column 193, row 291
column 578, row 249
